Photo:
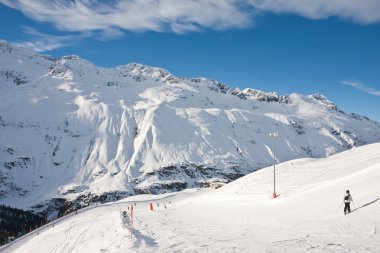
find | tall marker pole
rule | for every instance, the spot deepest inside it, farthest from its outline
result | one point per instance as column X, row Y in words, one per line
column 273, row 136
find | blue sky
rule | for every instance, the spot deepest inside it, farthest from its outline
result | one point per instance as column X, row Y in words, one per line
column 319, row 46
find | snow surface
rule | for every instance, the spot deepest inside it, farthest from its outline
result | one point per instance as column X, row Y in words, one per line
column 69, row 128
column 239, row 217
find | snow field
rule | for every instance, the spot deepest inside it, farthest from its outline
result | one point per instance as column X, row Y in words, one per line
column 239, row 217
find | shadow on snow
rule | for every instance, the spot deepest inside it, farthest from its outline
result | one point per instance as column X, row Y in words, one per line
column 369, row 203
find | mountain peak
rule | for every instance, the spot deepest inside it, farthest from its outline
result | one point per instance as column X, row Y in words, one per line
column 3, row 42
column 5, row 46
column 72, row 57
column 140, row 72
column 261, row 96
column 322, row 99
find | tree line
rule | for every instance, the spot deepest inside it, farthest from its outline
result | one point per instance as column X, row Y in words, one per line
column 16, row 222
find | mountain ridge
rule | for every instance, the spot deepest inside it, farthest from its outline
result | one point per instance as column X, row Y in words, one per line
column 73, row 131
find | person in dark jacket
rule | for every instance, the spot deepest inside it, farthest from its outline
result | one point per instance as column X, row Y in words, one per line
column 347, row 199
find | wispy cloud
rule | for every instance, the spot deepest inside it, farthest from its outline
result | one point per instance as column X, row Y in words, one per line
column 41, row 42
column 361, row 11
column 136, row 15
column 184, row 16
column 110, row 19
column 362, row 87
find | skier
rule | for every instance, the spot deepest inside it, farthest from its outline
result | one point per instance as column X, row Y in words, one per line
column 347, row 200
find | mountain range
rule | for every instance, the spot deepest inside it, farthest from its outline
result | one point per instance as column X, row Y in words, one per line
column 72, row 133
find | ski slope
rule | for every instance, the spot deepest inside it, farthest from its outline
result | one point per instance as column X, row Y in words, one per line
column 239, row 217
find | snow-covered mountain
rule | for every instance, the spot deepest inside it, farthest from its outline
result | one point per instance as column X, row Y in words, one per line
column 239, row 217
column 70, row 130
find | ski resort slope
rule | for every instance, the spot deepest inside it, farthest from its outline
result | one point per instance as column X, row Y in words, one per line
column 239, row 217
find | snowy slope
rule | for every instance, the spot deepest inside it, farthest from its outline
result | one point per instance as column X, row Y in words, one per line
column 72, row 130
column 239, row 217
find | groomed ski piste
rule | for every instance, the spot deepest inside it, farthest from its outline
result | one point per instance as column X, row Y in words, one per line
column 242, row 216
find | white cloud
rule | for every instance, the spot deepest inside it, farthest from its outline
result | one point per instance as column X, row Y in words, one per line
column 136, row 15
column 361, row 11
column 362, row 87
column 184, row 15
column 112, row 18
column 41, row 42
column 40, row 45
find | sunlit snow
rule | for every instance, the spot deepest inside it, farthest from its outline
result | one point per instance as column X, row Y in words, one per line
column 307, row 216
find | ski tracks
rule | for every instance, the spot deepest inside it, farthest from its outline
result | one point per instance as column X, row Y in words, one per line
column 310, row 244
column 64, row 243
column 72, row 240
column 141, row 242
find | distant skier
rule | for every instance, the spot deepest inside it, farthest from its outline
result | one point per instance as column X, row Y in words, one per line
column 347, row 200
